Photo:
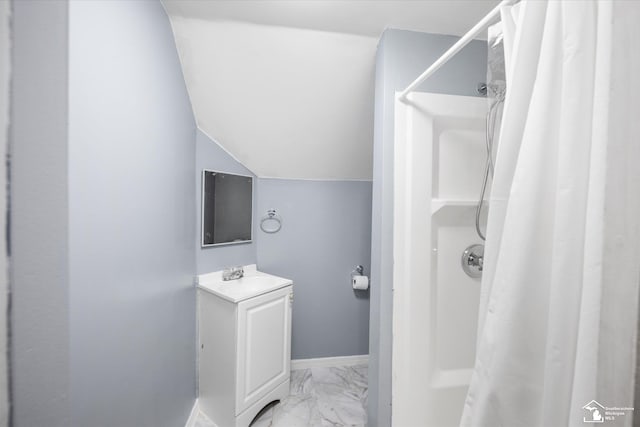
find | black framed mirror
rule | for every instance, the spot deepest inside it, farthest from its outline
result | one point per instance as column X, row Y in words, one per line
column 227, row 208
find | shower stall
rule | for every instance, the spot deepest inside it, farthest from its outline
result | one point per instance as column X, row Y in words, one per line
column 444, row 161
column 439, row 151
column 540, row 328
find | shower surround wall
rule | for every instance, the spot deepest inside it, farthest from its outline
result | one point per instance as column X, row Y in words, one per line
column 103, row 216
column 401, row 57
column 439, row 153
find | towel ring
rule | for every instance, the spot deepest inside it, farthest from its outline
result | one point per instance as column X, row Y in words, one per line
column 271, row 217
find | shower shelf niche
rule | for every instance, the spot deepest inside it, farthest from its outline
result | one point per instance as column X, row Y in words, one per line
column 438, row 204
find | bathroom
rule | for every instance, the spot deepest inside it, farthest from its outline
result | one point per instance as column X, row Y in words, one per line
column 113, row 110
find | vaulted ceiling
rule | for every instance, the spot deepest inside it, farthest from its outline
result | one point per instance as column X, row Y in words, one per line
column 287, row 86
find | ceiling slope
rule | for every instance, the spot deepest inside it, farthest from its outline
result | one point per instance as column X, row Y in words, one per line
column 286, row 102
column 287, row 87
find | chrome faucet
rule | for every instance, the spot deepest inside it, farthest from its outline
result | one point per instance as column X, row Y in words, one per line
column 232, row 273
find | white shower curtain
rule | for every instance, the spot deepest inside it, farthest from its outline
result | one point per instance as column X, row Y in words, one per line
column 559, row 303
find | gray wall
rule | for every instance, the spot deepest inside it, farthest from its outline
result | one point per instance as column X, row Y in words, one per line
column 5, row 69
column 39, row 215
column 131, row 219
column 209, row 155
column 326, row 232
column 402, row 56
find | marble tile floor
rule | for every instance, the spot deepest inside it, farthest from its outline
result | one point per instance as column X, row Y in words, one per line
column 319, row 397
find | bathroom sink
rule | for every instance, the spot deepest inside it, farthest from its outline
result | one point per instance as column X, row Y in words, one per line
column 252, row 284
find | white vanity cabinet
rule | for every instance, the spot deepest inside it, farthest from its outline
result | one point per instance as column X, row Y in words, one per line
column 244, row 345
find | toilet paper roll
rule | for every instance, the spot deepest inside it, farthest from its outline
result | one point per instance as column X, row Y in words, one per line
column 360, row 282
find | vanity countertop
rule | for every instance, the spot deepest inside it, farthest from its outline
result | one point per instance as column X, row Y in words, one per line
column 253, row 283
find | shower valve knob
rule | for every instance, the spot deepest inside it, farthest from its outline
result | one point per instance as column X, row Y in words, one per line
column 473, row 260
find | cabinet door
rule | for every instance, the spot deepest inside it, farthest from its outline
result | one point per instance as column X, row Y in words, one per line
column 264, row 345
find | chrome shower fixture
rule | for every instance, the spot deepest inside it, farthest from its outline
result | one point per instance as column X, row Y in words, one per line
column 473, row 260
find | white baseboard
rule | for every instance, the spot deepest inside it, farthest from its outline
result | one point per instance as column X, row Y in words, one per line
column 191, row 421
column 196, row 414
column 330, row 362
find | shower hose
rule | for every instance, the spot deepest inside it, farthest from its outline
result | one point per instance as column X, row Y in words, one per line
column 488, row 169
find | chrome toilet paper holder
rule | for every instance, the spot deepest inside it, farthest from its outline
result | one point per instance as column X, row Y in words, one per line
column 359, row 281
column 358, row 271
